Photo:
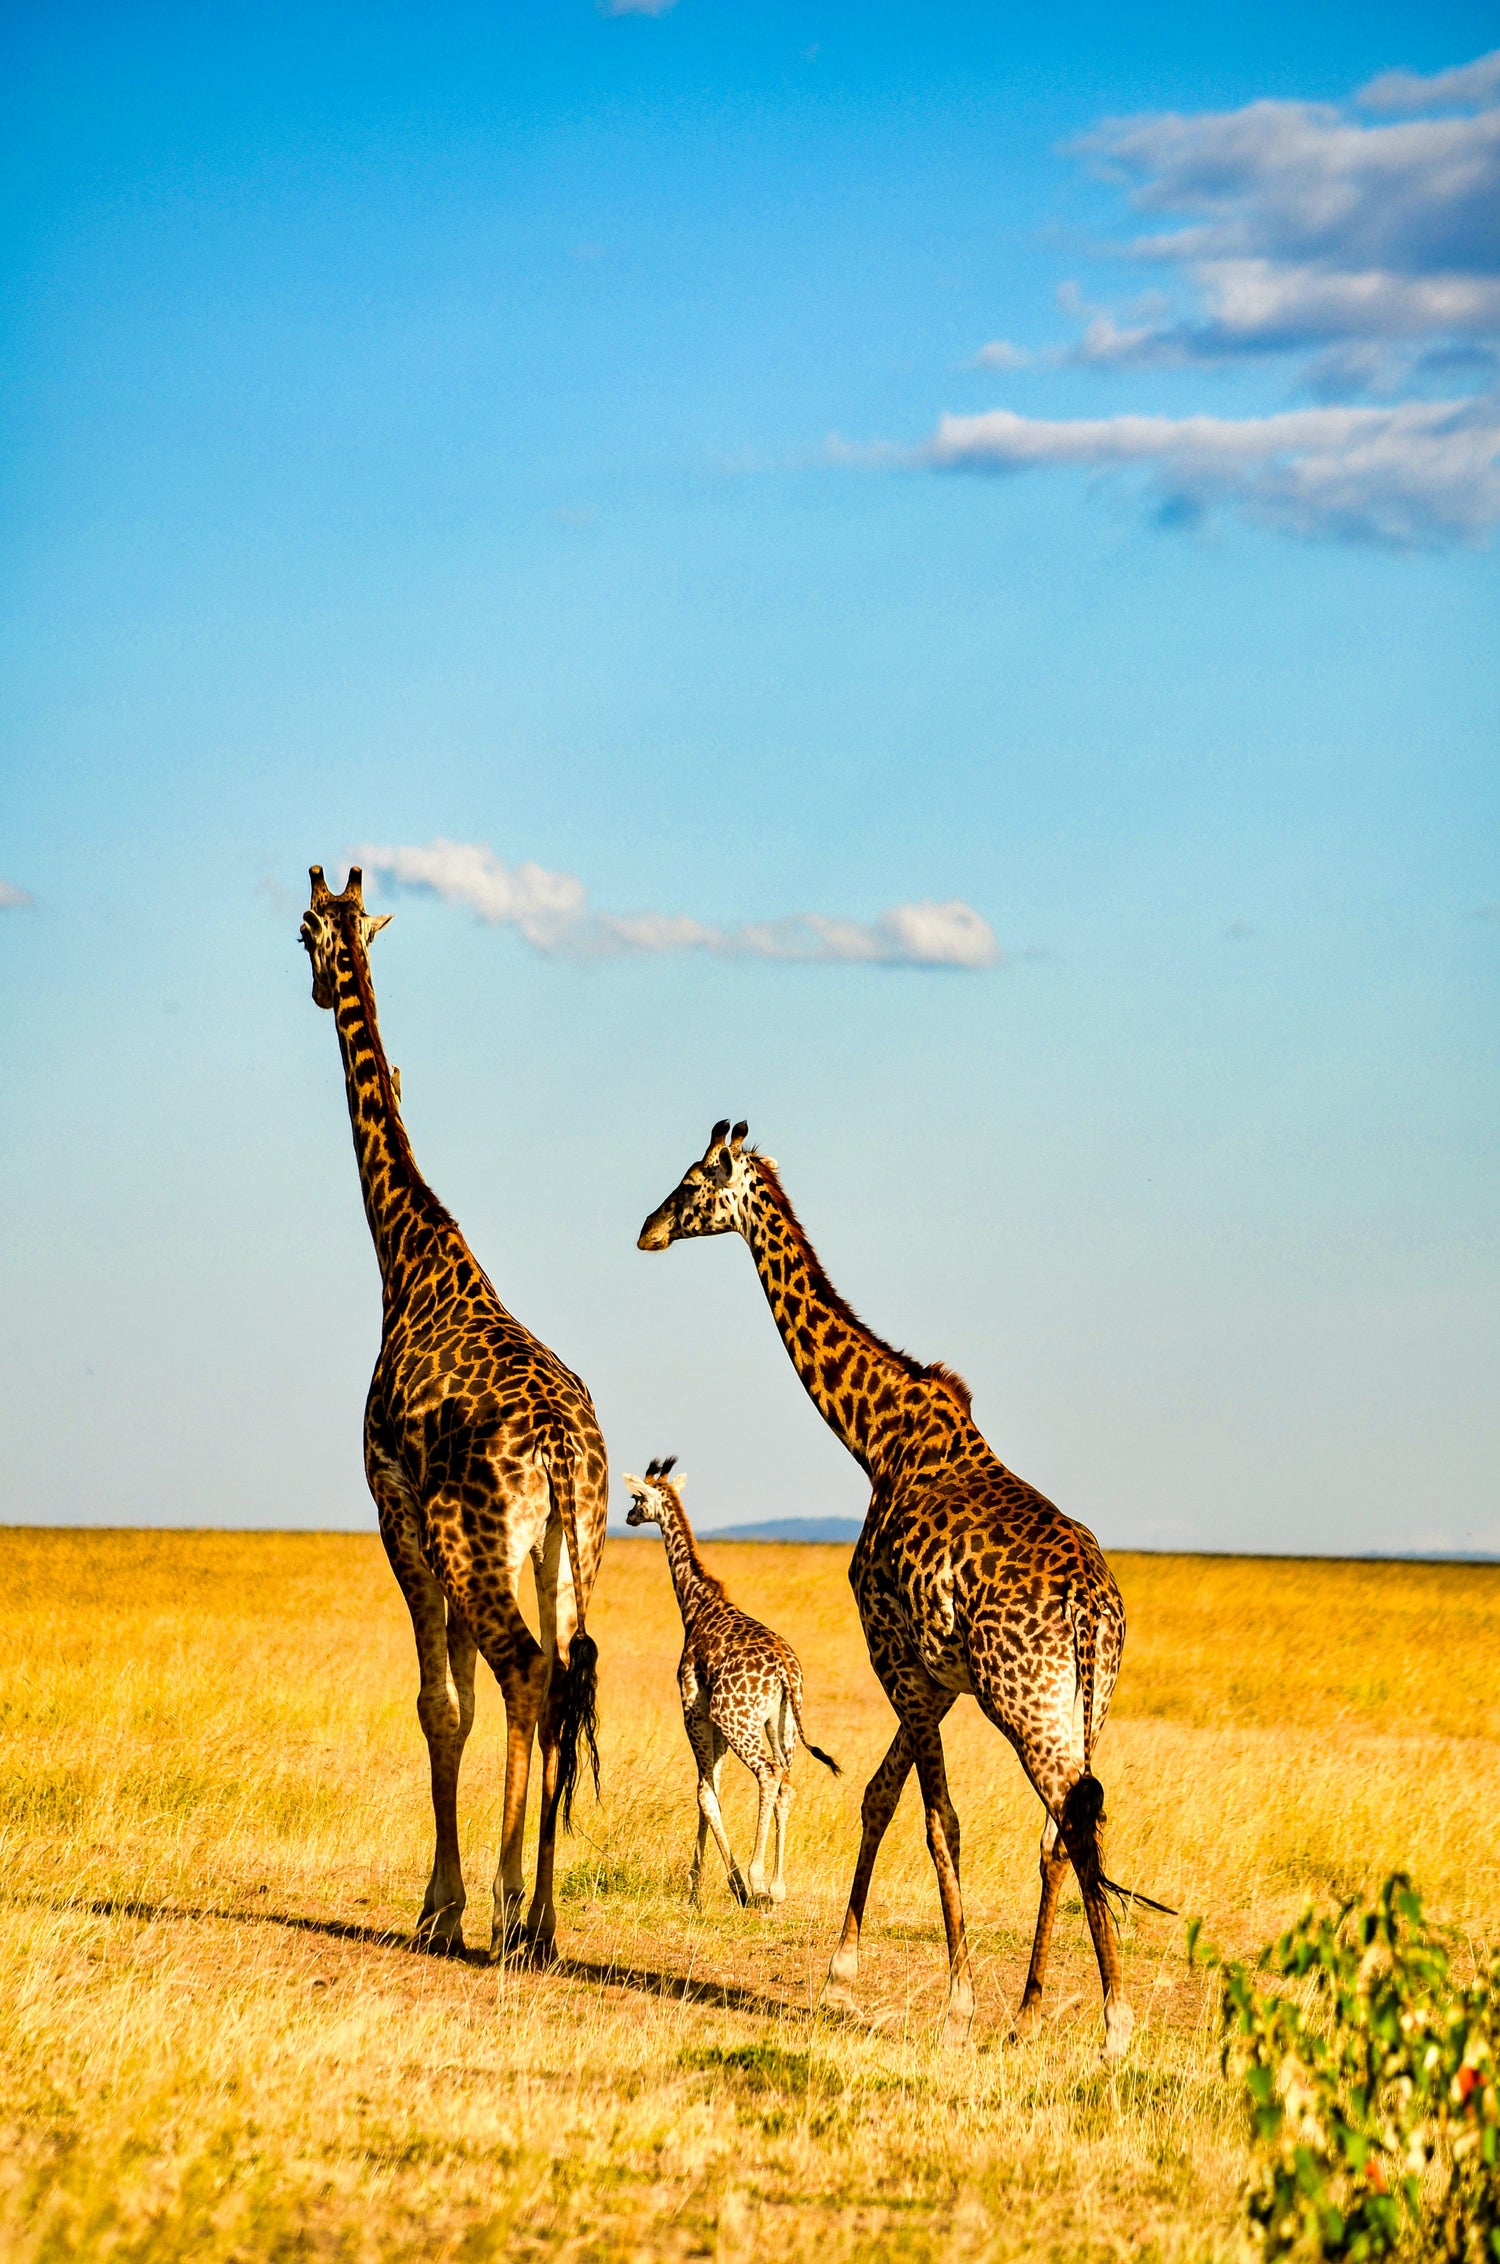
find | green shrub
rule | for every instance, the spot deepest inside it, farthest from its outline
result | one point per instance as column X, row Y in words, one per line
column 1370, row 2085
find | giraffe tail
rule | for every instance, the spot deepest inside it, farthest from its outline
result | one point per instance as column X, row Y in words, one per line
column 795, row 1702
column 578, row 1726
column 1082, row 1818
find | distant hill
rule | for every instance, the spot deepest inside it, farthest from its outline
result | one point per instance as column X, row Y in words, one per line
column 824, row 1529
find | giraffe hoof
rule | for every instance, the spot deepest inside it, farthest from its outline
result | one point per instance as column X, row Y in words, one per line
column 839, row 1999
column 761, row 1898
column 738, row 1888
column 1119, row 2021
column 539, row 1949
column 441, row 1935
column 1027, row 2022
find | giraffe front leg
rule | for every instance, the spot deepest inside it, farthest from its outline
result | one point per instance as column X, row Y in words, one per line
column 876, row 1810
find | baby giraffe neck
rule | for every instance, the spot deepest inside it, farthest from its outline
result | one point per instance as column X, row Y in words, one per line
column 694, row 1583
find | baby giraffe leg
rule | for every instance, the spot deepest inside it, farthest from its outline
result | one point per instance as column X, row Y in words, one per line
column 783, row 1810
column 745, row 1744
column 783, row 1731
column 708, row 1750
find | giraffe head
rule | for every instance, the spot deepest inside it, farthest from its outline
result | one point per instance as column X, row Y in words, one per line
column 646, row 1504
column 328, row 924
column 711, row 1196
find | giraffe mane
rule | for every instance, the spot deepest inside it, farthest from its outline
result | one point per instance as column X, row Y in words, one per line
column 359, row 966
column 920, row 1371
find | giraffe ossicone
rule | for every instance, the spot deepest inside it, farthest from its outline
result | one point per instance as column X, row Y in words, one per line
column 481, row 1449
column 741, row 1690
column 968, row 1582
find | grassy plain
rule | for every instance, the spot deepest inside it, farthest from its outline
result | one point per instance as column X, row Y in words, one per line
column 215, row 2041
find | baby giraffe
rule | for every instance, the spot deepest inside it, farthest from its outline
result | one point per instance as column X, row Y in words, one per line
column 741, row 1689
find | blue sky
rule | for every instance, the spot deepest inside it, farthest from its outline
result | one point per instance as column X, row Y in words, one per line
column 924, row 576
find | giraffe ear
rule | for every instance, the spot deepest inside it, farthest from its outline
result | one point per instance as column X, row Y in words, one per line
column 372, row 923
column 679, row 1479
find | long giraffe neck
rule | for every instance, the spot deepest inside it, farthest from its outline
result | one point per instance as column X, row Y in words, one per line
column 694, row 1583
column 873, row 1396
column 405, row 1216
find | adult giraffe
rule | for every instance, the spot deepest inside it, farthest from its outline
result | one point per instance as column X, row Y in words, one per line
column 966, row 1579
column 481, row 1449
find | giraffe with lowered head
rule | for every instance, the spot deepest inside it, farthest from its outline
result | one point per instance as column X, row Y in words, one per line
column 966, row 1579
column 741, row 1687
column 481, row 1450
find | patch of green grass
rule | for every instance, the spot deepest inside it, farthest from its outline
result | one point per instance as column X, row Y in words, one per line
column 767, row 2067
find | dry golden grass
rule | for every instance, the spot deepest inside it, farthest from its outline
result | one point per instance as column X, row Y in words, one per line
column 215, row 2042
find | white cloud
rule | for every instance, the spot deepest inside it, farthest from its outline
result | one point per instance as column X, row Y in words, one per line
column 1306, row 226
column 13, row 899
column 1260, row 305
column 552, row 912
column 1304, row 181
column 1416, row 473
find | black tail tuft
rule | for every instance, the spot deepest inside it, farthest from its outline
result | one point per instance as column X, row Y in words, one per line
column 579, row 1724
column 1081, row 1821
column 827, row 1759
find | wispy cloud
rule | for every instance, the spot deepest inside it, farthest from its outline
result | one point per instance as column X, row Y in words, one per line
column 636, row 7
column 1413, row 474
column 13, row 899
column 1360, row 241
column 552, row 912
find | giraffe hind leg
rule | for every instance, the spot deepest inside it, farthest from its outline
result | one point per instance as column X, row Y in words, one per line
column 445, row 1709
column 1054, row 1864
column 1076, row 1798
column 943, row 1846
column 748, row 1747
column 876, row 1810
column 784, row 1739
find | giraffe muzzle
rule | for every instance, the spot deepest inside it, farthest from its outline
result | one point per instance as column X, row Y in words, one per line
column 658, row 1231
